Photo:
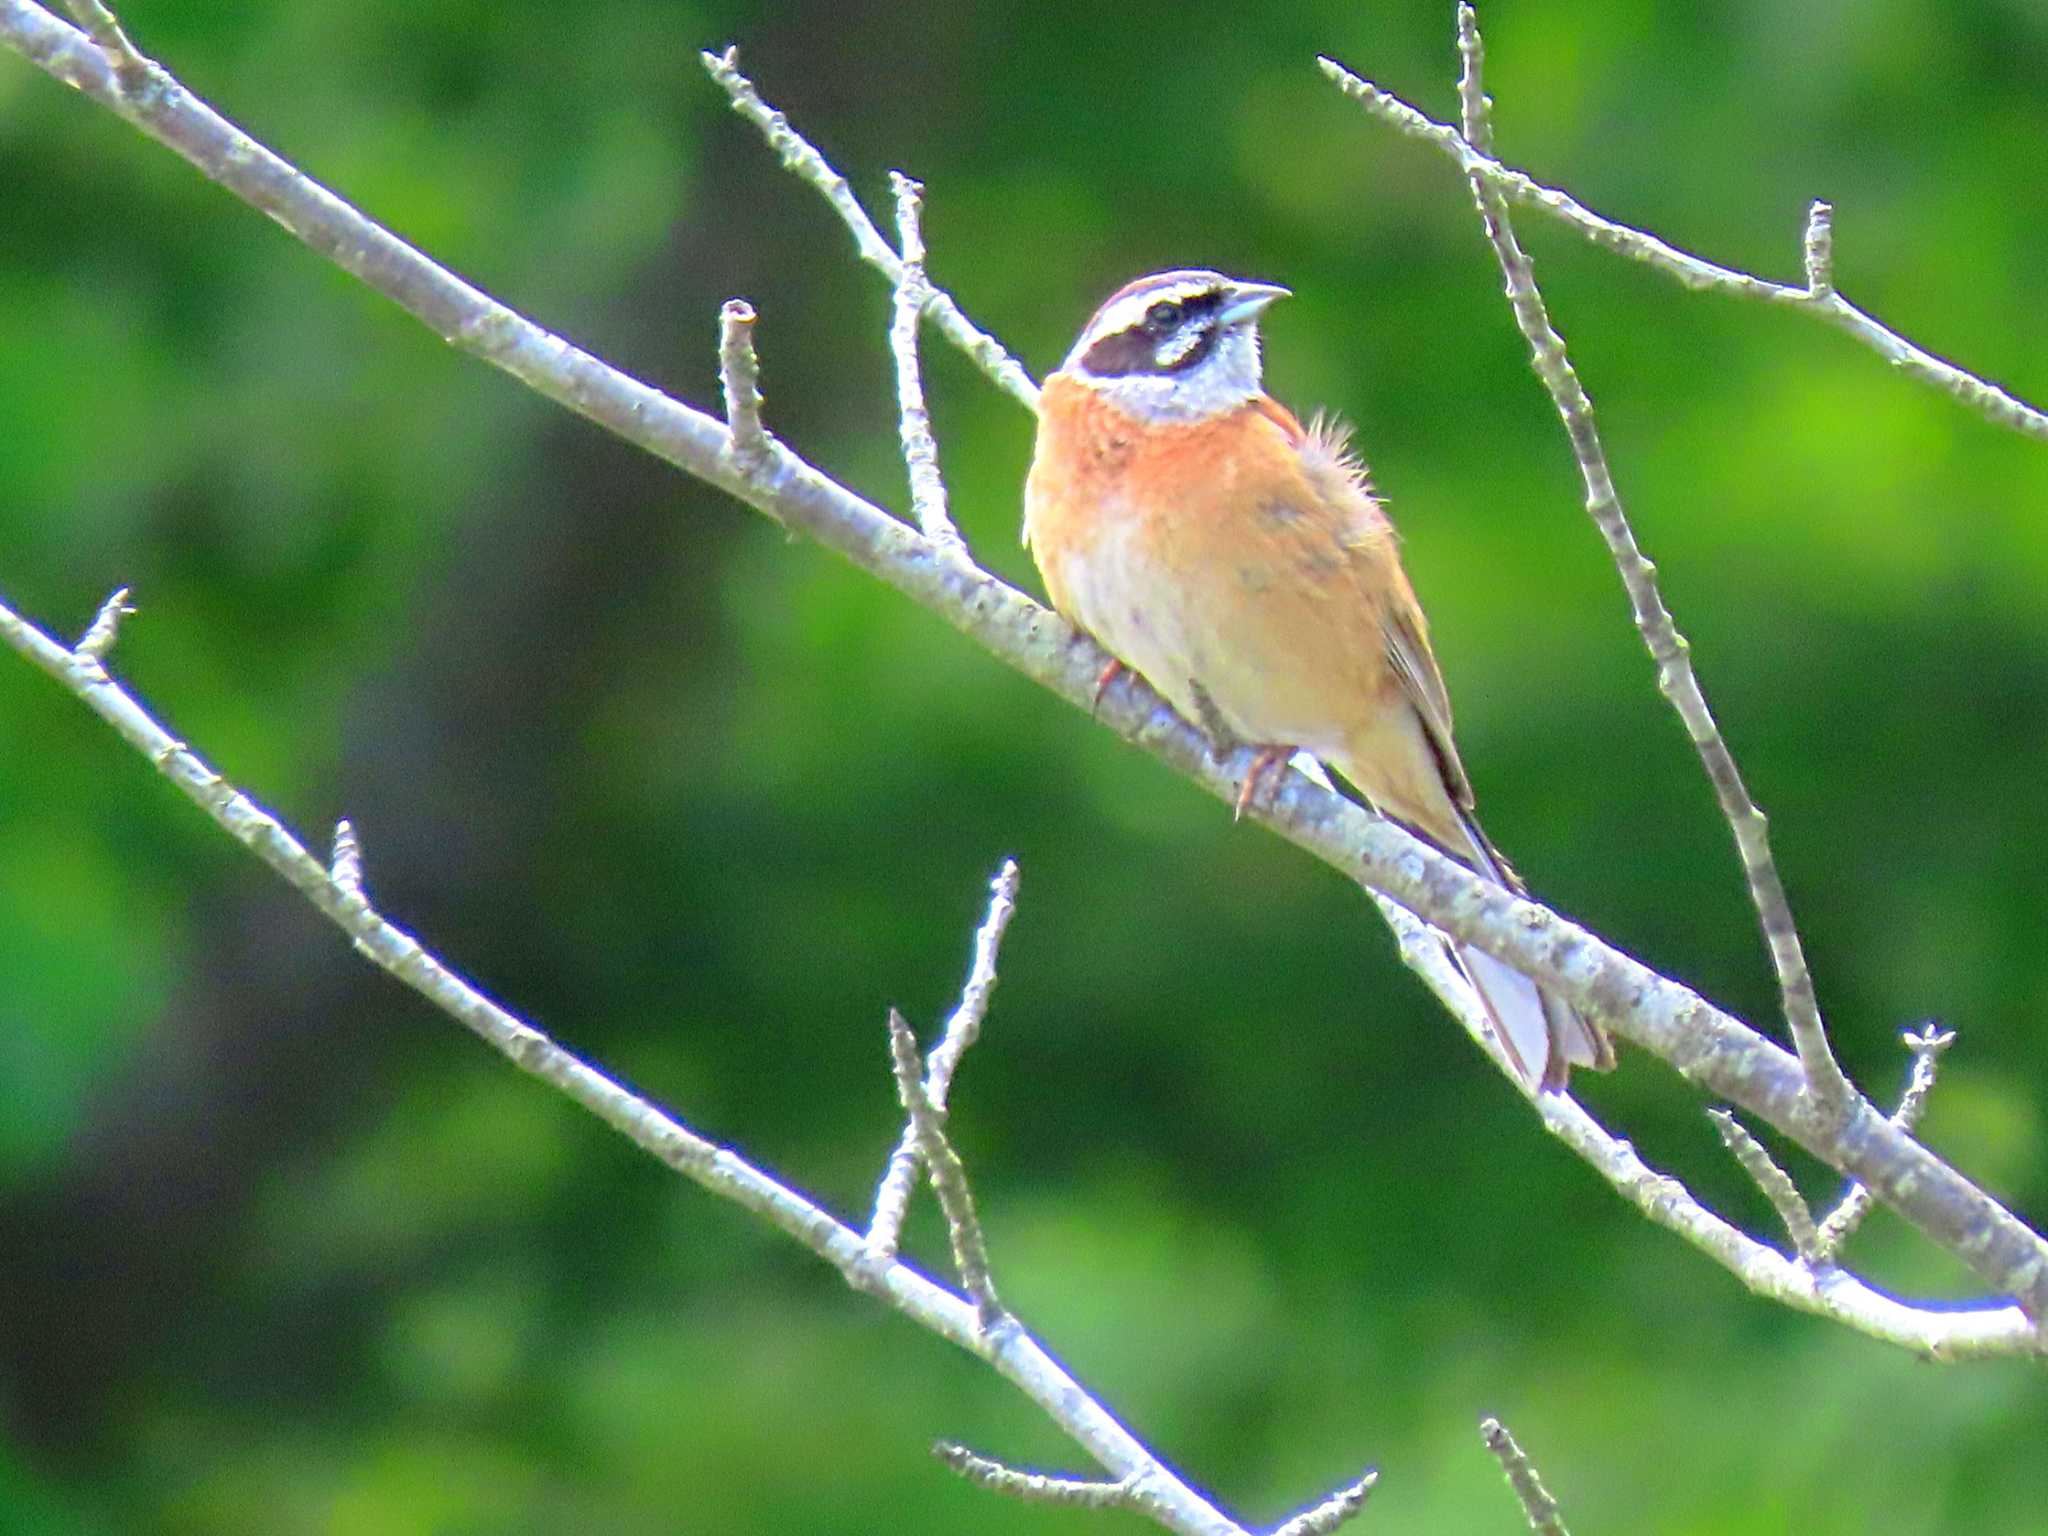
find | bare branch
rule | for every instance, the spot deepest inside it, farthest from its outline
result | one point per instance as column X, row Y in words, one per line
column 1715, row 1051
column 1333, row 1511
column 799, row 156
column 963, row 1028
column 1939, row 1332
column 105, row 628
column 1773, row 1180
column 920, row 448
column 1988, row 400
column 1830, row 1091
column 1036, row 1487
column 1537, row 1504
column 1926, row 1044
column 1009, row 1349
column 739, row 380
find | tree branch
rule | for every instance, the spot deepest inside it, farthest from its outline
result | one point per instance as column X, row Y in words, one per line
column 1830, row 1090
column 1938, row 1332
column 337, row 891
column 1824, row 303
column 1664, row 1018
column 798, row 156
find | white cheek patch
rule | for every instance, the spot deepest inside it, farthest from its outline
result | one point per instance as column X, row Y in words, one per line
column 1180, row 344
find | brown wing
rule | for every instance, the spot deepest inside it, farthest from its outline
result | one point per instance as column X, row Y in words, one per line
column 1327, row 456
column 1423, row 685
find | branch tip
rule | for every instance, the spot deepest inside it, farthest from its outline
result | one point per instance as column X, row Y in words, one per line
column 105, row 628
column 1820, row 250
column 739, row 380
column 1036, row 1487
column 1545, row 1519
column 345, row 869
column 1333, row 1511
column 1475, row 107
column 1773, row 1180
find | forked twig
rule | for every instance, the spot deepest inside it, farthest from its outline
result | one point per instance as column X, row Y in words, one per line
column 799, row 156
column 947, row 1173
column 1823, row 302
column 962, row 1029
column 1926, row 1044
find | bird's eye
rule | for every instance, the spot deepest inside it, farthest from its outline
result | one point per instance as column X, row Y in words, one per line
column 1164, row 315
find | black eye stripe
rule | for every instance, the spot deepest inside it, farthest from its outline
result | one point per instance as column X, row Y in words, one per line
column 1139, row 347
column 1137, row 351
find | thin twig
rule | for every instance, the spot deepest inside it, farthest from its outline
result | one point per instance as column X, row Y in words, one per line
column 739, row 381
column 1036, row 1487
column 963, row 1028
column 799, row 156
column 1926, row 1044
column 1941, row 1332
column 1535, row 1499
column 1333, row 1511
column 105, row 628
column 920, row 448
column 948, row 1174
column 1987, row 399
column 1714, row 1050
column 1773, row 1180
column 1830, row 1091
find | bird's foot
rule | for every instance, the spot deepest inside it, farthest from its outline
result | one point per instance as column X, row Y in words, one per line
column 1109, row 675
column 1266, row 760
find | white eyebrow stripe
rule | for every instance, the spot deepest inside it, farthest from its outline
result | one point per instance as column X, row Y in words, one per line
column 1128, row 312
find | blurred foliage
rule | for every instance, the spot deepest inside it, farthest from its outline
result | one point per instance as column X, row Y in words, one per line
column 286, row 1252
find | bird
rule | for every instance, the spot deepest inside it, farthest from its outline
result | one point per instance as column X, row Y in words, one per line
column 1242, row 564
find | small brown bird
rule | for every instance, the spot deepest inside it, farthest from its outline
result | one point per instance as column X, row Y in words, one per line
column 1240, row 562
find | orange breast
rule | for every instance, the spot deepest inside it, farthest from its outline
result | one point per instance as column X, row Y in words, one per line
column 1207, row 557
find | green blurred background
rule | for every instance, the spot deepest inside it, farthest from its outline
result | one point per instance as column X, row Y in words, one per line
column 285, row 1251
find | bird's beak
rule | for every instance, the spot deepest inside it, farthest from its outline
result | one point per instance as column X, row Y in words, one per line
column 1249, row 300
